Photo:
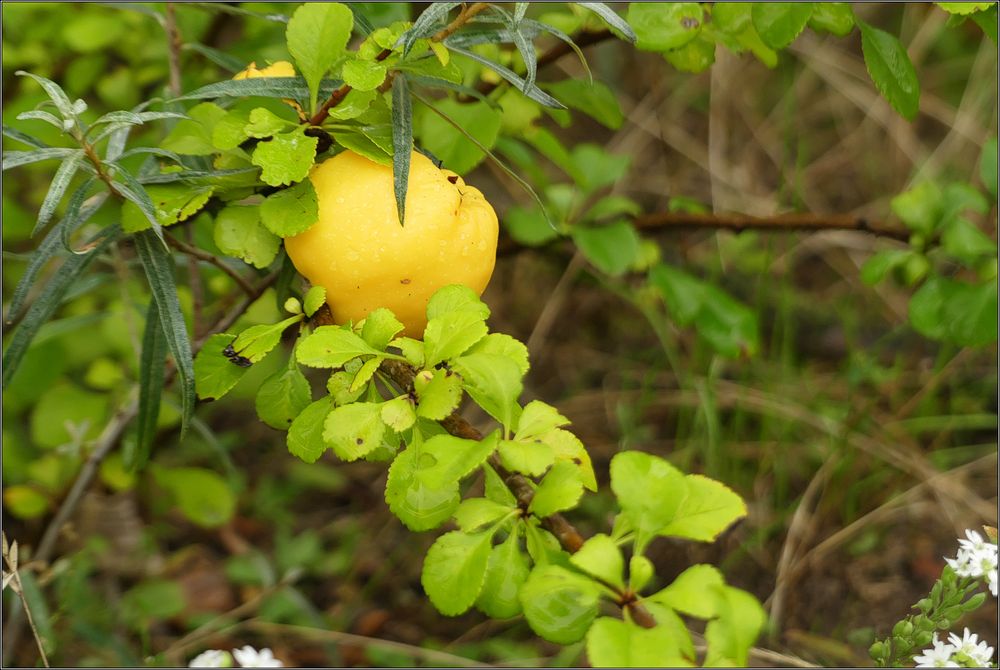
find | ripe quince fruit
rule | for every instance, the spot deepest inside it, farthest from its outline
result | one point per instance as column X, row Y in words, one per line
column 365, row 260
column 281, row 68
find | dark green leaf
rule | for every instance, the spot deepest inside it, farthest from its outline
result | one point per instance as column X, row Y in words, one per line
column 220, row 58
column 402, row 142
column 779, row 23
column 612, row 249
column 159, row 269
column 506, row 571
column 427, row 23
column 305, row 435
column 836, row 18
column 264, row 87
column 202, row 495
column 45, row 304
column 987, row 21
column 417, row 505
column 533, row 92
column 24, row 138
column 282, row 397
column 151, row 374
column 595, row 100
column 559, row 605
column 215, row 374
column 454, row 570
column 891, row 70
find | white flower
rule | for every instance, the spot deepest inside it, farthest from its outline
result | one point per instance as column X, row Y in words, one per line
column 213, row 658
column 991, row 578
column 938, row 656
column 979, row 653
column 248, row 657
column 975, row 557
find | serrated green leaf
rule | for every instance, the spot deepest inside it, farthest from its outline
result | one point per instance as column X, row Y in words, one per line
column 964, row 8
column 731, row 635
column 454, row 570
column 613, row 643
column 836, row 18
column 696, row 56
column 331, row 347
column 559, row 490
column 286, row 157
column 355, row 430
column 363, row 75
column 214, row 374
column 438, row 393
column 257, row 341
column 530, row 458
column 567, row 447
column 314, row 299
column 506, row 570
column 240, row 233
column 339, row 386
column 398, row 413
column 559, row 605
column 456, row 298
column 663, row 26
column 474, row 513
column 538, row 418
column 600, row 556
column 446, row 460
column 495, row 489
column 687, row 593
column 172, row 203
column 891, row 70
column 316, row 36
column 493, row 382
column 779, row 23
column 379, row 327
column 262, row 122
column 290, row 211
column 364, row 374
column 501, row 344
column 202, row 496
column 882, row 263
column 282, row 397
column 450, row 335
column 965, row 241
column 649, row 491
column 305, row 435
column 417, row 505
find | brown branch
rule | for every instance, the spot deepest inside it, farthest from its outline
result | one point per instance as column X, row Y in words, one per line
column 174, row 53
column 199, row 254
column 778, row 223
column 337, row 97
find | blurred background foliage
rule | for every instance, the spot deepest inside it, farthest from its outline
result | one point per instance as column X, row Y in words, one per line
column 862, row 447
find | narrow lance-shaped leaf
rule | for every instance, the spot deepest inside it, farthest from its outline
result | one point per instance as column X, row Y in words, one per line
column 133, row 190
column 527, row 51
column 13, row 159
column 533, row 92
column 612, row 18
column 220, row 58
column 55, row 93
column 402, row 141
column 76, row 214
column 265, row 87
column 24, row 138
column 158, row 266
column 555, row 32
column 427, row 23
column 503, row 166
column 151, row 373
column 57, row 189
column 48, row 301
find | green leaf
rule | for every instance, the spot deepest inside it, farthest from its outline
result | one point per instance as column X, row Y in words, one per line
column 418, row 506
column 600, row 557
column 649, row 490
column 611, row 206
column 261, row 122
column 290, row 211
column 331, row 347
column 240, row 233
column 687, row 593
column 364, row 374
column 493, row 382
column 151, row 374
column 153, row 599
column 402, row 142
column 708, row 509
column 696, row 56
column 285, row 158
column 57, row 189
column 445, row 459
column 427, row 23
column 882, row 263
column 945, row 309
column 265, row 87
column 964, row 240
column 963, row 8
column 354, row 105
column 203, row 496
column 595, row 100
column 454, row 150
column 597, row 168
column 731, row 635
column 364, row 75
column 13, row 159
column 988, row 167
column 438, row 393
column 55, row 92
column 640, row 572
column 567, row 447
column 379, row 327
column 256, row 341
column 836, row 18
column 612, row 249
column 919, row 208
column 506, row 571
column 528, row 226
column 450, row 335
column 612, row 18
column 340, row 386
column 316, row 36
column 172, row 203
column 456, row 298
column 159, row 268
column 663, row 26
column 305, row 435
column 398, row 413
column 558, row 604
column 475, row 513
column 530, row 458
column 613, row 643
column 503, row 345
column 214, row 374
column 532, row 91
column 495, row 489
column 891, row 70
column 354, row 430
column 282, row 397
column 314, row 299
column 987, row 21
column 538, row 418
column 559, row 490
column 454, row 570
column 779, row 23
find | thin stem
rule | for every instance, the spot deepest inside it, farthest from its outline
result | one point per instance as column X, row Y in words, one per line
column 779, row 222
column 199, row 254
column 174, row 54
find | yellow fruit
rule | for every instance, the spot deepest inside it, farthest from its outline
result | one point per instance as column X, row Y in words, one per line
column 359, row 253
column 280, row 69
